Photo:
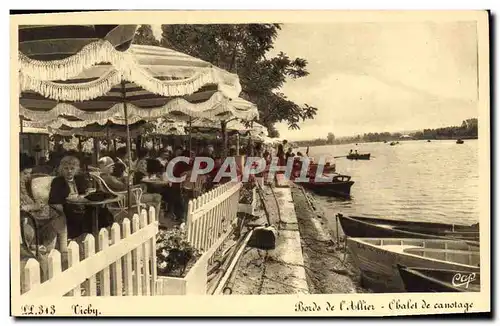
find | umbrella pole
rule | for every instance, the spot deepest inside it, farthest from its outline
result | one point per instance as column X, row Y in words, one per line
column 237, row 143
column 107, row 140
column 190, row 134
column 224, row 138
column 21, row 125
column 129, row 154
column 251, row 140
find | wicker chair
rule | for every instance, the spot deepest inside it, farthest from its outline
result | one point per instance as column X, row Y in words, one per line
column 122, row 205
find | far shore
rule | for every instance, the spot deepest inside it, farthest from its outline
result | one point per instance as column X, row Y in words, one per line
column 311, row 144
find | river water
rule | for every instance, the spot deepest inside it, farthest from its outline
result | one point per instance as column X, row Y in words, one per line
column 415, row 180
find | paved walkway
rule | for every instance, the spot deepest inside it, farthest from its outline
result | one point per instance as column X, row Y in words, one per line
column 284, row 267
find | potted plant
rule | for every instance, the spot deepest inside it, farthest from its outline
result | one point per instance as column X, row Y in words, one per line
column 248, row 198
column 181, row 268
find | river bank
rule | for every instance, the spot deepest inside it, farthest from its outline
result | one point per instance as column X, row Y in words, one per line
column 307, row 257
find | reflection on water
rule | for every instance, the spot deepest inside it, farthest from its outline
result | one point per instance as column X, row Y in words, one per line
column 436, row 181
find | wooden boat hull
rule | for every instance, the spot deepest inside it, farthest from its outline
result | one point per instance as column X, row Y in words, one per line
column 358, row 156
column 377, row 258
column 366, row 227
column 339, row 187
column 438, row 280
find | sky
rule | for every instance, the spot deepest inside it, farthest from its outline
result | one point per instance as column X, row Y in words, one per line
column 376, row 77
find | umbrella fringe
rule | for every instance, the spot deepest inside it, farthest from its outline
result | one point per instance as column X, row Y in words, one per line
column 213, row 108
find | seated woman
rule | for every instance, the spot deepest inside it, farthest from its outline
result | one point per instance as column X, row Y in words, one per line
column 106, row 166
column 49, row 226
column 69, row 183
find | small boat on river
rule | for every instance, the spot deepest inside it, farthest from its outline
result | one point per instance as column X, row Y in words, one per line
column 460, row 141
column 361, row 227
column 358, row 156
column 377, row 258
column 393, row 143
column 340, row 186
column 438, row 280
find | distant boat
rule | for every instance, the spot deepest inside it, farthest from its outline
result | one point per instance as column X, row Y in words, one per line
column 393, row 143
column 377, row 258
column 438, row 280
column 460, row 141
column 428, row 140
column 358, row 156
column 385, row 141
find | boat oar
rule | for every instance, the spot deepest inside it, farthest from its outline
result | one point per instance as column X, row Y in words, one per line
column 340, row 156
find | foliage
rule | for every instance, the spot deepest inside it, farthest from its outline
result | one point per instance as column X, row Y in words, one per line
column 243, row 49
column 174, row 254
column 144, row 36
column 468, row 129
column 330, row 138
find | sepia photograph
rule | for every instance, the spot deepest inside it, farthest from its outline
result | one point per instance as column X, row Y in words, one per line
column 316, row 163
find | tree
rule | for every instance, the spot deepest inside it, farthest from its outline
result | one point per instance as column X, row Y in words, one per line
column 144, row 36
column 330, row 138
column 242, row 49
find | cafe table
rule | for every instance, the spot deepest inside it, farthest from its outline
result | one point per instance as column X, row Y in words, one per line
column 97, row 205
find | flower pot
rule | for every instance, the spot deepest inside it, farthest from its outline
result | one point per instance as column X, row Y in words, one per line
column 194, row 282
column 249, row 208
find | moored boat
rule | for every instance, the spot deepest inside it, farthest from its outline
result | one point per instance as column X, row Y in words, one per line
column 438, row 280
column 340, row 186
column 358, row 156
column 361, row 227
column 377, row 258
column 460, row 141
column 392, row 143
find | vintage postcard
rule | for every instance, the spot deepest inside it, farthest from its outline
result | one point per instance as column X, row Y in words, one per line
column 259, row 163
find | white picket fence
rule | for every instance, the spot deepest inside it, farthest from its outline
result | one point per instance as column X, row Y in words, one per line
column 123, row 264
column 211, row 215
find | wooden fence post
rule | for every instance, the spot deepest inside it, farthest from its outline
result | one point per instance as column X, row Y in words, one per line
column 146, row 285
column 104, row 281
column 116, row 267
column 136, row 259
column 73, row 260
column 90, row 285
column 127, row 261
column 31, row 274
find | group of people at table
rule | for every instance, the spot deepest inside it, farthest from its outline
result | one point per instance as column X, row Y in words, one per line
column 60, row 219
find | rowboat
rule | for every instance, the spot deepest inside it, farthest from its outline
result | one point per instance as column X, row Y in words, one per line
column 377, row 258
column 460, row 141
column 358, row 156
column 363, row 227
column 340, row 186
column 438, row 280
